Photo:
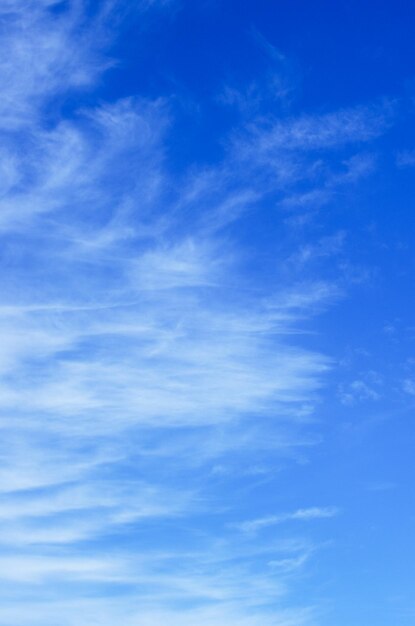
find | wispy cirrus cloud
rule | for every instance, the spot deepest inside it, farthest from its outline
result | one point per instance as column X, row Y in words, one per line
column 301, row 515
column 65, row 47
column 136, row 353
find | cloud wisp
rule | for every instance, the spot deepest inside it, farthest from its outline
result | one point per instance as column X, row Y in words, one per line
column 301, row 515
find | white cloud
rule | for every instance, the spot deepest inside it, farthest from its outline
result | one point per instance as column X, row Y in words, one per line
column 43, row 55
column 358, row 391
column 301, row 514
column 327, row 131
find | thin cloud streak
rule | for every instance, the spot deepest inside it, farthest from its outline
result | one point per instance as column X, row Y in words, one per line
column 312, row 513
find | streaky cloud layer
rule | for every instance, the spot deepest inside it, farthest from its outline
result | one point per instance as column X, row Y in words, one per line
column 142, row 367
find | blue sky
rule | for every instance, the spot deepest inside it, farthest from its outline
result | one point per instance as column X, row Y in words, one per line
column 207, row 374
